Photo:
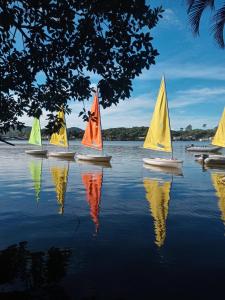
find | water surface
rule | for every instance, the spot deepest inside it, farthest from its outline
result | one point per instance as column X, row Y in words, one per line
column 119, row 232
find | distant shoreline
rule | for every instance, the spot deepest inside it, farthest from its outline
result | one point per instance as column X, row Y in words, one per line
column 119, row 134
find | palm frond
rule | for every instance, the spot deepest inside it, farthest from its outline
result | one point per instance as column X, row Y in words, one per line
column 196, row 9
column 189, row 4
column 218, row 26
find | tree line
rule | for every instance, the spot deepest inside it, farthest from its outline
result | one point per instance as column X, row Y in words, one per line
column 120, row 133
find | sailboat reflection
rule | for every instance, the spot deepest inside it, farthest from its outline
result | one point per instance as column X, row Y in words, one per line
column 158, row 196
column 93, row 184
column 60, row 177
column 94, row 163
column 36, row 171
column 166, row 170
column 219, row 185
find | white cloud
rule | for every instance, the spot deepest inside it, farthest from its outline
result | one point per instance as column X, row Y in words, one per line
column 170, row 18
column 197, row 96
column 183, row 71
column 138, row 110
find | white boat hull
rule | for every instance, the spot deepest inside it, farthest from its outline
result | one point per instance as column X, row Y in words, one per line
column 37, row 152
column 163, row 162
column 215, row 160
column 203, row 149
column 62, row 154
column 211, row 159
column 93, row 158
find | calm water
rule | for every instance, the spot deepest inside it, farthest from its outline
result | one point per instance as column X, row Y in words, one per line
column 119, row 232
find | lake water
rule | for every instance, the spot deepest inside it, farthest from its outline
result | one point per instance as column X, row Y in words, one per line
column 101, row 232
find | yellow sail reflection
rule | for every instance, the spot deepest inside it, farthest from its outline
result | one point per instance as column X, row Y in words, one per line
column 35, row 170
column 158, row 196
column 219, row 185
column 60, row 177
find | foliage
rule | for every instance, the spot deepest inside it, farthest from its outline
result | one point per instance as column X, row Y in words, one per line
column 49, row 48
column 195, row 11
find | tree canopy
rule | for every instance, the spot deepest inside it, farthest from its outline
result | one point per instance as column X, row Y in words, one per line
column 195, row 10
column 49, row 48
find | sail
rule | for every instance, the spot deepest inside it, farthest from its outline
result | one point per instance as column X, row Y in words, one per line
column 93, row 183
column 219, row 138
column 35, row 135
column 35, row 170
column 158, row 136
column 158, row 196
column 219, row 185
column 93, row 134
column 60, row 177
column 60, row 138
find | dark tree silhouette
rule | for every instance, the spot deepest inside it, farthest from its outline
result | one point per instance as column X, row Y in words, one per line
column 195, row 11
column 31, row 274
column 49, row 48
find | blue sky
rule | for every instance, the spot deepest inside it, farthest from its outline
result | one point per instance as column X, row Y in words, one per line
column 195, row 76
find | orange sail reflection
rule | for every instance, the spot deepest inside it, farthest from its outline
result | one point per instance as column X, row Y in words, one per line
column 158, row 196
column 93, row 185
column 59, row 177
column 93, row 135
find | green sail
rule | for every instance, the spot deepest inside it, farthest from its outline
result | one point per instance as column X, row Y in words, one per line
column 35, row 135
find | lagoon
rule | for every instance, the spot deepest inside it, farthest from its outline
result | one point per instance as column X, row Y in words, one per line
column 129, row 232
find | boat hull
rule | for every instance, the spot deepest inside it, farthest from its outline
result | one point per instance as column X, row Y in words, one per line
column 215, row 160
column 202, row 149
column 37, row 152
column 62, row 154
column 163, row 162
column 212, row 160
column 93, row 158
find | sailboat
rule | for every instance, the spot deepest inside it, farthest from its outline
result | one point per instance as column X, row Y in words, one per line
column 36, row 170
column 219, row 185
column 60, row 178
column 93, row 135
column 218, row 140
column 158, row 196
column 93, row 184
column 60, row 139
column 158, row 137
column 35, row 139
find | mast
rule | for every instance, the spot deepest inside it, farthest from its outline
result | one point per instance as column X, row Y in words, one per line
column 100, row 118
column 40, row 131
column 168, row 115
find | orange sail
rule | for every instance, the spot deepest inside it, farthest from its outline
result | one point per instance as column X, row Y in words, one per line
column 93, row 184
column 93, row 134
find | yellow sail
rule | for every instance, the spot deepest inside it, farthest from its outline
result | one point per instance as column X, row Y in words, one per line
column 158, row 136
column 219, row 185
column 219, row 138
column 158, row 196
column 36, row 170
column 60, row 176
column 60, row 138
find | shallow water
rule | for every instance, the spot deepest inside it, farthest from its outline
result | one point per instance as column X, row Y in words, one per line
column 130, row 232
